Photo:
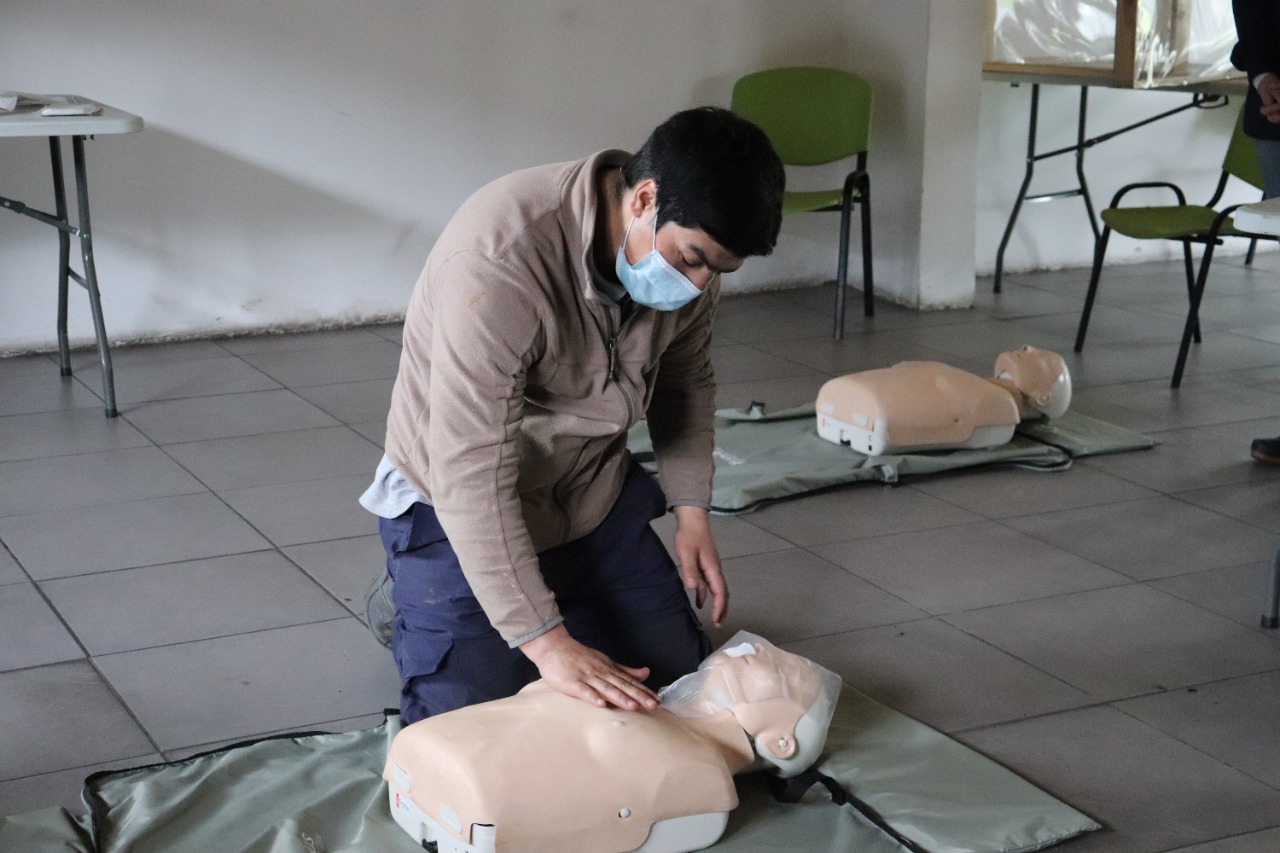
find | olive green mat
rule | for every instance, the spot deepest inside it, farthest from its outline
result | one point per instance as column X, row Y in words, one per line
column 766, row 457
column 323, row 793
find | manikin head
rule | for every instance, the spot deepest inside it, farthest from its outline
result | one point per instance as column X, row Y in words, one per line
column 783, row 701
column 1039, row 374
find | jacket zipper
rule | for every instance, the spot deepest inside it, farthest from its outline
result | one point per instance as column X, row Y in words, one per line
column 611, row 343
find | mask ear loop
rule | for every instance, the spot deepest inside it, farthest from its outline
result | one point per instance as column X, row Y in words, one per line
column 625, row 235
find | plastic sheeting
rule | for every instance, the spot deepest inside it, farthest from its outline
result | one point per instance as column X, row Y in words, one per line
column 701, row 694
column 323, row 793
column 1175, row 41
column 762, row 457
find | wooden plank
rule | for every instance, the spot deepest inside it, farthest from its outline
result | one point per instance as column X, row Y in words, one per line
column 1084, row 73
column 1124, row 71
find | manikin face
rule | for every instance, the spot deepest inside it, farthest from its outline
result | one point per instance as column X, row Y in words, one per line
column 1040, row 374
column 690, row 250
column 783, row 701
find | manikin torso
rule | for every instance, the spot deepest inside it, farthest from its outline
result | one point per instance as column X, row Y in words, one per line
column 927, row 405
column 544, row 772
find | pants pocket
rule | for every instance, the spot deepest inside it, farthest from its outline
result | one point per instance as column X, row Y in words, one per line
column 419, row 653
column 425, row 688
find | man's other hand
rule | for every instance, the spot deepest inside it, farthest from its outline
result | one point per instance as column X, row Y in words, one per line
column 1269, row 90
column 700, row 561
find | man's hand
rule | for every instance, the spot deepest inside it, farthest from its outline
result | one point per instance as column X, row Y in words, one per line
column 576, row 670
column 700, row 561
column 1269, row 90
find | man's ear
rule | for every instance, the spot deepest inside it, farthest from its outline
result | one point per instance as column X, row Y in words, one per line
column 643, row 196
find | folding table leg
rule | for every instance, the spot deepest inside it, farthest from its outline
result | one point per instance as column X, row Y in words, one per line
column 1022, row 191
column 91, row 278
column 64, row 252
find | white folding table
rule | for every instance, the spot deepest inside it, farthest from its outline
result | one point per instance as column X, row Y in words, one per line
column 29, row 122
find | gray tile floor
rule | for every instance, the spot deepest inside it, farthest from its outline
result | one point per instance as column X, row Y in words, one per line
column 191, row 573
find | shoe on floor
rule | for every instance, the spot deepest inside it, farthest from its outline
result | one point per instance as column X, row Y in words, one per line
column 1266, row 450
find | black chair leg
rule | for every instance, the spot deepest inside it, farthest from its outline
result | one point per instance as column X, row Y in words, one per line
column 1248, row 256
column 1099, row 253
column 1193, row 315
column 868, row 286
column 842, row 265
column 1191, row 279
column 1271, row 614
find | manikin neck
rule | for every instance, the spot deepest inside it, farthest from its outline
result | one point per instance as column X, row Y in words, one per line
column 1025, row 408
column 724, row 730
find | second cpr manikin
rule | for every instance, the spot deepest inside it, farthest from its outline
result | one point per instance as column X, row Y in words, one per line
column 927, row 405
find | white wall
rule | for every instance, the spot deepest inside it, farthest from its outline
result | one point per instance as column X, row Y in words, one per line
column 300, row 156
column 949, row 169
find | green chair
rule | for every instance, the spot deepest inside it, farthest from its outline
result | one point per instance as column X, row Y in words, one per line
column 815, row 116
column 1186, row 223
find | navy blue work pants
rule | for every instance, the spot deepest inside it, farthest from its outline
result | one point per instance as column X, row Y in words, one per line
column 617, row 588
column 1269, row 157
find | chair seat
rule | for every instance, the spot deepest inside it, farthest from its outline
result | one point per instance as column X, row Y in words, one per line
column 1171, row 222
column 810, row 200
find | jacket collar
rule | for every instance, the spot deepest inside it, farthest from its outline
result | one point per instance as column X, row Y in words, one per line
column 578, row 207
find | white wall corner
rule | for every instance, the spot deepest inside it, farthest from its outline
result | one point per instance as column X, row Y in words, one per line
column 953, row 89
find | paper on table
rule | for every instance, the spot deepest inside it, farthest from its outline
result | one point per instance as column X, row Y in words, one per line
column 51, row 105
column 10, row 101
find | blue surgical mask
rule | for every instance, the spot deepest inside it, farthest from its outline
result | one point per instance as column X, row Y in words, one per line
column 651, row 280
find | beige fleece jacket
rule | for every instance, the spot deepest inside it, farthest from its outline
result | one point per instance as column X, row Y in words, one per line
column 518, row 383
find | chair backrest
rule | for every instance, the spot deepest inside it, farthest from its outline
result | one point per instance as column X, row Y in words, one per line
column 1242, row 157
column 811, row 115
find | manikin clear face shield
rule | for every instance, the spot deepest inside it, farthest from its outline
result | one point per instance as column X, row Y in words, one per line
column 784, row 701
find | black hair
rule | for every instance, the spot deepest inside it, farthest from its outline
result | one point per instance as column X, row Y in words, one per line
column 715, row 171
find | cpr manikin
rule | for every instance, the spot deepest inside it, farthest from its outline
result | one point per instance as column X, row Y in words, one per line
column 927, row 405
column 541, row 771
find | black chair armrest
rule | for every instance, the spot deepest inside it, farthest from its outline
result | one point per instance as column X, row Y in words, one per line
column 856, row 178
column 1221, row 218
column 1182, row 199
